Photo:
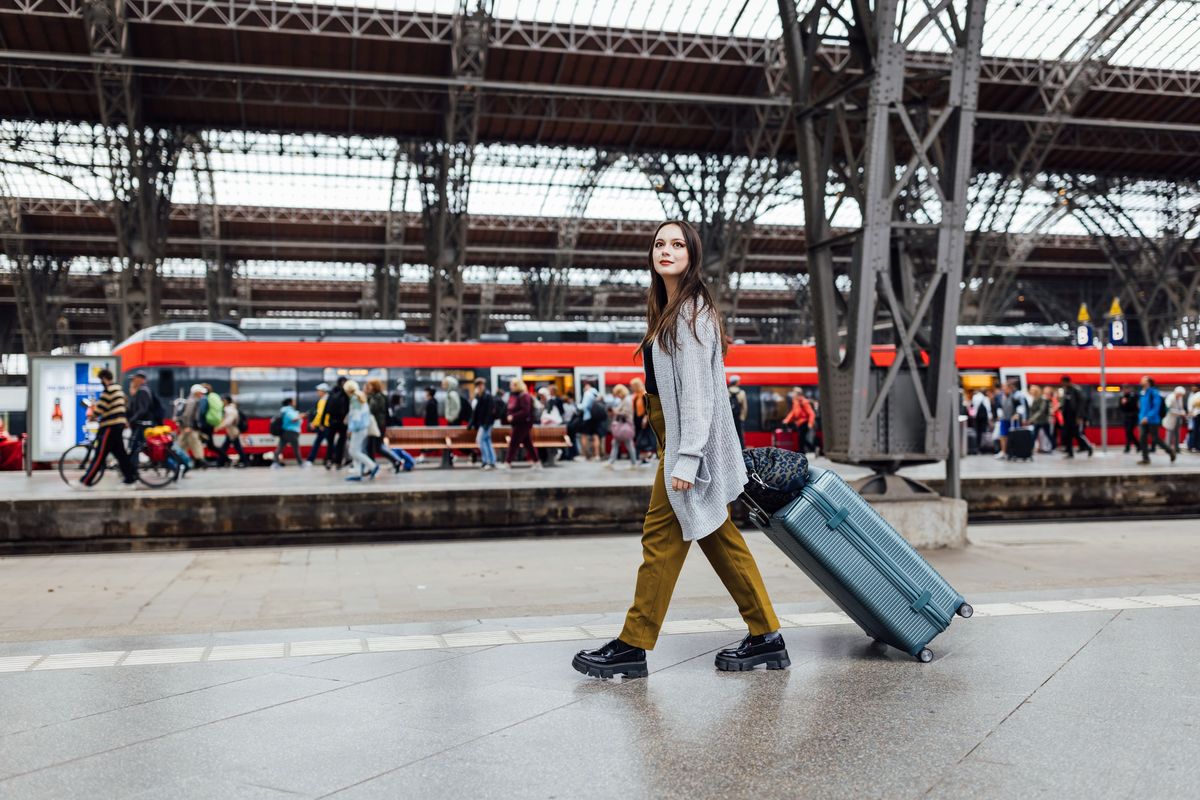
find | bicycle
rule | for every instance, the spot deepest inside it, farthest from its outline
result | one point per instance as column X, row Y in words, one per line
column 155, row 465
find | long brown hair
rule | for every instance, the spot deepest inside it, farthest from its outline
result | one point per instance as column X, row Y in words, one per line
column 662, row 312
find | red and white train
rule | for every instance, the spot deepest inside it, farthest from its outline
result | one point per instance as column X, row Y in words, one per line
column 259, row 371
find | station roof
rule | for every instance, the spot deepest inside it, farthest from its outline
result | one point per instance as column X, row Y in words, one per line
column 568, row 74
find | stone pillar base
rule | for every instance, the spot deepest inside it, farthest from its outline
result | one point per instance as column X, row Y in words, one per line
column 930, row 524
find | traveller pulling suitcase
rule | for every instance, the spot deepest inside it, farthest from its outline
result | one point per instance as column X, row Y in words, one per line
column 859, row 560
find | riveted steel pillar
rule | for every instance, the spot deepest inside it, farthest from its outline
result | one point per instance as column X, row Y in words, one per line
column 867, row 136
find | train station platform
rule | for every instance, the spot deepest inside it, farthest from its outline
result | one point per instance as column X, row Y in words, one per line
column 442, row 669
column 259, row 506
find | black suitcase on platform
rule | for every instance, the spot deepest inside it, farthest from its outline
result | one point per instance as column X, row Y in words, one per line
column 972, row 442
column 1020, row 444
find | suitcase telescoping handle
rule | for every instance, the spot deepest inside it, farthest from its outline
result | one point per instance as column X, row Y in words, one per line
column 758, row 514
column 839, row 519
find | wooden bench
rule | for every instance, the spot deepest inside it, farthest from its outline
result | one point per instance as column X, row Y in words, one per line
column 453, row 437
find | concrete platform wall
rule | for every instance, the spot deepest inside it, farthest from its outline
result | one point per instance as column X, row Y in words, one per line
column 166, row 520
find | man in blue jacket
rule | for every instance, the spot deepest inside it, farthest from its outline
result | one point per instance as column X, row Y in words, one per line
column 1150, row 411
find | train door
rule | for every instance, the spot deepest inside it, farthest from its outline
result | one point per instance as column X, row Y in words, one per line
column 590, row 375
column 502, row 377
column 1014, row 375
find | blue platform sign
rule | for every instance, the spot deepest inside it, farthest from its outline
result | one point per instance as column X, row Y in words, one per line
column 1118, row 332
column 1084, row 335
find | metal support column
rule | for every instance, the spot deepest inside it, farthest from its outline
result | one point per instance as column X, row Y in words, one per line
column 444, row 172
column 38, row 281
column 142, row 167
column 547, row 286
column 220, row 274
column 909, row 180
column 384, row 292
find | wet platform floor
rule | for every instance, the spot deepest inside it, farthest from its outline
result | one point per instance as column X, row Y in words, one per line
column 1070, row 693
column 443, row 670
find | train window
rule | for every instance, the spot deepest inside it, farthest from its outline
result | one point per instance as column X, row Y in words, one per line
column 359, row 375
column 774, row 404
column 166, row 383
column 259, row 391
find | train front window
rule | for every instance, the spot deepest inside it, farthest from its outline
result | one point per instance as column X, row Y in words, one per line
column 259, row 391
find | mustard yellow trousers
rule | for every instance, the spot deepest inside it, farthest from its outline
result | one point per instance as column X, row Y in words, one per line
column 664, row 550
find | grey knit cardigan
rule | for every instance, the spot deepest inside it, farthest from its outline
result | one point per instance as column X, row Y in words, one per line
column 702, row 446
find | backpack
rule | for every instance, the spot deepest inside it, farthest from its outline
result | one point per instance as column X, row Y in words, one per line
column 499, row 409
column 277, row 425
column 157, row 412
column 215, row 410
column 464, row 409
column 1162, row 406
column 243, row 421
column 598, row 409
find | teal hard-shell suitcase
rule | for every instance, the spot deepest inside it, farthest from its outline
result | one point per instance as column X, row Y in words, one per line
column 863, row 564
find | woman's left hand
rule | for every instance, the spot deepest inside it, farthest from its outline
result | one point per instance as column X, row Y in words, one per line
column 680, row 485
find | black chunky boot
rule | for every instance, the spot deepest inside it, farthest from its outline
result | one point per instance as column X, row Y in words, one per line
column 614, row 658
column 766, row 649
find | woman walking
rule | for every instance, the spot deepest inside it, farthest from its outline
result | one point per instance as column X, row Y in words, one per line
column 358, row 423
column 623, row 432
column 643, row 437
column 520, row 417
column 683, row 352
column 231, row 421
column 1039, row 418
column 377, row 443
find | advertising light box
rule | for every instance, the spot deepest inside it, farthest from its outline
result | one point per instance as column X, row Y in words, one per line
column 59, row 389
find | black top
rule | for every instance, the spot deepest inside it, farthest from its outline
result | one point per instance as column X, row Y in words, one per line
column 648, row 366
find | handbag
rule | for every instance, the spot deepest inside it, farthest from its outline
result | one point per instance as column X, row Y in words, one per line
column 622, row 429
column 774, row 478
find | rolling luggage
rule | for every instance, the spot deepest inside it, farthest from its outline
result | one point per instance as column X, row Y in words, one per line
column 863, row 564
column 972, row 442
column 1020, row 444
column 785, row 440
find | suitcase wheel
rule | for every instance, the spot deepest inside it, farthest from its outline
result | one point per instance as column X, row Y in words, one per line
column 925, row 656
column 965, row 611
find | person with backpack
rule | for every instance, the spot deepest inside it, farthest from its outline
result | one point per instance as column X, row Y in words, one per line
column 337, row 406
column 1129, row 406
column 520, row 415
column 1151, row 411
column 233, row 422
column 286, row 427
column 739, row 406
column 592, row 410
column 187, row 421
column 358, row 425
column 377, row 443
column 1071, row 404
column 801, row 418
column 141, row 411
column 483, row 417
column 318, row 423
column 623, row 432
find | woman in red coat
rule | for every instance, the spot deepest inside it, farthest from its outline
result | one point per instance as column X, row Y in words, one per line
column 520, row 416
